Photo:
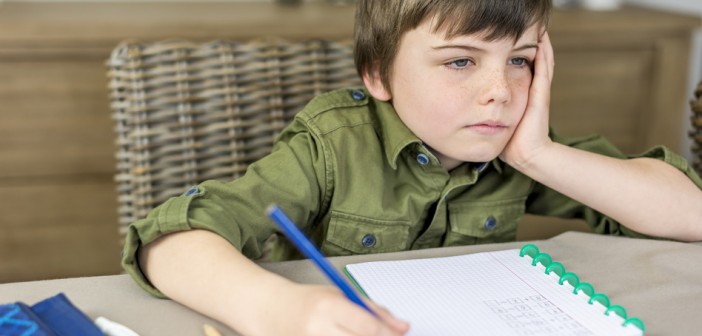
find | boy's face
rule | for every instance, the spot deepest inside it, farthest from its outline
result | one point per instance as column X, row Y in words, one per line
column 464, row 97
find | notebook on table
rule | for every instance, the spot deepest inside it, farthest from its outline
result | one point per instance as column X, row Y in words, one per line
column 511, row 292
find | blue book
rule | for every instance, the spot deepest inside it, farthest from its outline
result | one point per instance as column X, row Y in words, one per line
column 54, row 316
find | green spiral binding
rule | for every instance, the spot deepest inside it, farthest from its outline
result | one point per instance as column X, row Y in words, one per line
column 530, row 250
column 555, row 267
column 542, row 258
column 617, row 309
column 585, row 288
column 636, row 322
column 572, row 278
column 601, row 298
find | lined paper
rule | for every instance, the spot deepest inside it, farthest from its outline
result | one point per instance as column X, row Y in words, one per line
column 497, row 293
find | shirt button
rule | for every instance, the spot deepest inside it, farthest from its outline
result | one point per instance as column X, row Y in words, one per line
column 358, row 95
column 191, row 191
column 490, row 223
column 422, row 159
column 368, row 240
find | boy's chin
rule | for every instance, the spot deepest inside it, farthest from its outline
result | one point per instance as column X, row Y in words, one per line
column 481, row 157
column 473, row 155
column 482, row 152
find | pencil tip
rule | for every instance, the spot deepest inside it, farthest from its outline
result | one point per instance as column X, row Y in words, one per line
column 210, row 330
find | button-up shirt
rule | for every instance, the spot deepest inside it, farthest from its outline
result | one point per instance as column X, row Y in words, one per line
column 357, row 180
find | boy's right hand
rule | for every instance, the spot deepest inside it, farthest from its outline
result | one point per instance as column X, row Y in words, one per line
column 298, row 309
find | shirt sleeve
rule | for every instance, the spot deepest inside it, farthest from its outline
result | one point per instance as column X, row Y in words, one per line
column 548, row 202
column 292, row 176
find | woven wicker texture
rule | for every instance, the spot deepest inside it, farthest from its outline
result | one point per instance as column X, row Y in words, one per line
column 188, row 112
column 696, row 132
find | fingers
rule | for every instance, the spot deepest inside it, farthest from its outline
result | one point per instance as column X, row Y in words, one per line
column 392, row 322
column 540, row 92
column 546, row 49
column 360, row 322
column 324, row 310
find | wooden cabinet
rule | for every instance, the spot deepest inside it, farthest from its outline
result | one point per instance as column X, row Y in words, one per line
column 623, row 74
column 620, row 73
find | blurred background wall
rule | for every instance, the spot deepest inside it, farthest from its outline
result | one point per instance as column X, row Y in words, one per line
column 690, row 7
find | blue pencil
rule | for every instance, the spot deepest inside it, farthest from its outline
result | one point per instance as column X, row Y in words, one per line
column 310, row 251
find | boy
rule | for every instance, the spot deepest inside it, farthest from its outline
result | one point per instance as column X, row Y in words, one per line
column 447, row 145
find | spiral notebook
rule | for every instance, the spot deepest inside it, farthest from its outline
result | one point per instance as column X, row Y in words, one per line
column 512, row 292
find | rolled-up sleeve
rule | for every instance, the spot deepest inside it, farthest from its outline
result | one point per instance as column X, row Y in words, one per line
column 292, row 176
column 171, row 216
column 548, row 202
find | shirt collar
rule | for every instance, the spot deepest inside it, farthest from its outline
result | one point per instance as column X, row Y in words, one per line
column 497, row 164
column 393, row 132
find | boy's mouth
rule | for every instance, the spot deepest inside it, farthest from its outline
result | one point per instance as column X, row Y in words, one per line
column 487, row 127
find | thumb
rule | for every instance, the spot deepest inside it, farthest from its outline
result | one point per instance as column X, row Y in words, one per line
column 397, row 325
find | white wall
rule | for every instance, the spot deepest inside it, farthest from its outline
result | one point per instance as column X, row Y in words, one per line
column 689, row 7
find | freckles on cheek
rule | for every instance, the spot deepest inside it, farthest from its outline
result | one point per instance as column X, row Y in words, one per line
column 520, row 98
column 521, row 80
column 521, row 87
column 459, row 92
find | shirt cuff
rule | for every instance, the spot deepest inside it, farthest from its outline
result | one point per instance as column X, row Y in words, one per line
column 171, row 216
column 666, row 155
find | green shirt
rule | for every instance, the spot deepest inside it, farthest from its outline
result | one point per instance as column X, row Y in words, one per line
column 357, row 180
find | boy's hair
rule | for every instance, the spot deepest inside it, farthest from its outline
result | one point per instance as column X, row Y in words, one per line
column 380, row 24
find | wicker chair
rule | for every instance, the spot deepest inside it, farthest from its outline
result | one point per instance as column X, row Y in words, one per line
column 696, row 132
column 188, row 112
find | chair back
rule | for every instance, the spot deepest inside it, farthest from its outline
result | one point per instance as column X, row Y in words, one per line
column 696, row 132
column 187, row 112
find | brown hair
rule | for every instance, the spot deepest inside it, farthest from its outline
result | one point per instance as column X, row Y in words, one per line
column 380, row 24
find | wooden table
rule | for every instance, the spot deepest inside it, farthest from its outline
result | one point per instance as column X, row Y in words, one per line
column 657, row 281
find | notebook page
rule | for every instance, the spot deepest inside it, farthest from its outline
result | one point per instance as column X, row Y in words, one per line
column 497, row 293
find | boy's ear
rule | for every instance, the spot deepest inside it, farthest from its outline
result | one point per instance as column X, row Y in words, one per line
column 375, row 86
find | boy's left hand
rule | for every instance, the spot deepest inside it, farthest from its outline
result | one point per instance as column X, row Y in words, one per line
column 531, row 135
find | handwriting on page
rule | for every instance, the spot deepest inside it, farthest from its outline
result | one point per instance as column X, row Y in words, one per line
column 535, row 315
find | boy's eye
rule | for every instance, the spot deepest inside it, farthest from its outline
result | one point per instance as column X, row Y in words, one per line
column 459, row 63
column 520, row 61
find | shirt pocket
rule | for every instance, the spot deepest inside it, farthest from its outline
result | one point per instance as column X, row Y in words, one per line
column 481, row 222
column 350, row 234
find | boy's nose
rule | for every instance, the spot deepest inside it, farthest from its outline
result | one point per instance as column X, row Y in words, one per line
column 495, row 89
